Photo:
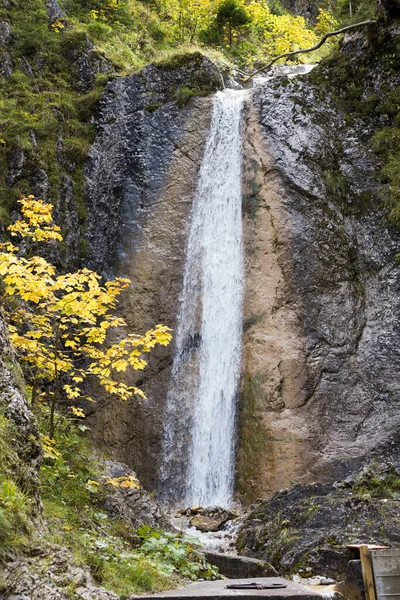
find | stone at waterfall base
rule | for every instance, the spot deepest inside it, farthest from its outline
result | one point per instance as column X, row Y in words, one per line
column 240, row 566
column 217, row 589
column 209, row 519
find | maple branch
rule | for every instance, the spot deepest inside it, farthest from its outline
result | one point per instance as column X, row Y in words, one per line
column 320, row 43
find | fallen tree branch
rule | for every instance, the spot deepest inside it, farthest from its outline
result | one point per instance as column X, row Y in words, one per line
column 320, row 43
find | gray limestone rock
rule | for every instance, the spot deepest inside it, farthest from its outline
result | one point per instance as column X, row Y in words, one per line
column 132, row 505
column 54, row 11
column 50, row 576
column 87, row 62
column 235, row 567
column 16, row 166
column 6, row 65
column 15, row 407
column 5, row 33
column 27, row 68
column 140, row 180
column 211, row 518
column 139, row 129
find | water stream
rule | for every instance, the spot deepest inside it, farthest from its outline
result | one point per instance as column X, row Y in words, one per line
column 199, row 439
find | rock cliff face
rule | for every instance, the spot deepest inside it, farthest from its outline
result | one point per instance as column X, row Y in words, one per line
column 321, row 360
column 304, row 8
column 141, row 178
column 14, row 406
column 320, row 357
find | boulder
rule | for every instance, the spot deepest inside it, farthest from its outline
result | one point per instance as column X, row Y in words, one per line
column 238, row 567
column 210, row 519
column 206, row 524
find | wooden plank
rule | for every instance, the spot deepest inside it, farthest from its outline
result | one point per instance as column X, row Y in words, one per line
column 369, row 546
column 368, row 577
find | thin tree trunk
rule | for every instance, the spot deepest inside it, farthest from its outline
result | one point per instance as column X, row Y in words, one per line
column 34, row 393
column 54, row 399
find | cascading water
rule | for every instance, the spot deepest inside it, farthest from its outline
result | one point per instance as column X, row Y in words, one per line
column 199, row 441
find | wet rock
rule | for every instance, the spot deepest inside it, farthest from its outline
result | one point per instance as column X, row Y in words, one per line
column 353, row 586
column 210, row 518
column 305, row 529
column 319, row 395
column 237, row 567
column 206, row 524
column 141, row 176
column 139, row 129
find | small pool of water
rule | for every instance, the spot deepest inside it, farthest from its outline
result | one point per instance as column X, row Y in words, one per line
column 216, row 541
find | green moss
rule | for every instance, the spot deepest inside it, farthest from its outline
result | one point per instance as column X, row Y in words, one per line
column 377, row 109
column 336, row 186
column 153, row 106
column 184, row 94
column 252, row 200
column 18, row 376
column 37, row 113
column 181, row 59
column 249, row 323
column 15, row 504
column 377, row 484
column 253, row 452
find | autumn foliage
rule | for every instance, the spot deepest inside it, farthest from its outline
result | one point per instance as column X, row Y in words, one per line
column 59, row 323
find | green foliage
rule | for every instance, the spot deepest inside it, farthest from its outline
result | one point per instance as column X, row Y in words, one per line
column 184, row 94
column 231, row 15
column 15, row 506
column 59, row 323
column 353, row 11
column 175, row 553
column 378, row 484
column 42, row 103
column 375, row 103
column 74, row 493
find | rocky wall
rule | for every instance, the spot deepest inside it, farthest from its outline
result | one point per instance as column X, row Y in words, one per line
column 321, row 380
column 141, row 178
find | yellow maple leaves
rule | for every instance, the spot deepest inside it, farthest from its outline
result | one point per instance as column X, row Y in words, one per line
column 61, row 328
column 126, row 481
column 279, row 33
column 36, row 214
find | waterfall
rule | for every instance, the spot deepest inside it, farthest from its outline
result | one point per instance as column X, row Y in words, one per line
column 199, row 440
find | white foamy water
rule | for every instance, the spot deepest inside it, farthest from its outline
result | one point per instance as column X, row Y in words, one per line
column 199, row 441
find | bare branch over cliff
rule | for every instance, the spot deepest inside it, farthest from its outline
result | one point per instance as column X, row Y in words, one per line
column 320, row 43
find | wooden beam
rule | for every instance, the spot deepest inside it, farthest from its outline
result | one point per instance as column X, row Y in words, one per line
column 368, row 577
